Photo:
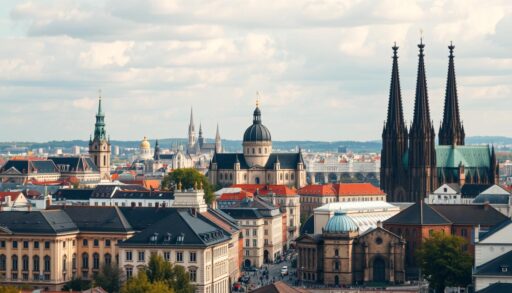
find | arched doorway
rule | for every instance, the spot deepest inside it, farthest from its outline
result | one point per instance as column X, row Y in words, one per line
column 336, row 280
column 257, row 180
column 265, row 256
column 379, row 270
column 247, row 263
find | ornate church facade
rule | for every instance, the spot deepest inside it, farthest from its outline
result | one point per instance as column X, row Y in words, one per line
column 257, row 164
column 412, row 166
column 197, row 146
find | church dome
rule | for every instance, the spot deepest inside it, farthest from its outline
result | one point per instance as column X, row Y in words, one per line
column 340, row 223
column 144, row 144
column 257, row 132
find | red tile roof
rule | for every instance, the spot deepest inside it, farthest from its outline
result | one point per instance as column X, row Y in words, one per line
column 341, row 189
column 14, row 195
column 236, row 196
column 263, row 189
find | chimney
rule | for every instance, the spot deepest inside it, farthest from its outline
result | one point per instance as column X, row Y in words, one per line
column 8, row 200
column 379, row 224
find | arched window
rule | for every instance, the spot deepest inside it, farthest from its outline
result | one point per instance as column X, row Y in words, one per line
column 230, row 176
column 108, row 259
column 73, row 262
column 24, row 263
column 220, row 176
column 47, row 263
column 253, row 152
column 336, row 265
column 286, row 176
column 64, row 263
column 281, row 176
column 95, row 261
column 259, row 150
column 14, row 264
column 35, row 263
column 265, row 150
column 85, row 260
column 3, row 262
column 292, row 177
column 336, row 252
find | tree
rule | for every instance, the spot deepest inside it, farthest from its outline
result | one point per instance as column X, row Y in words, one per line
column 141, row 284
column 189, row 177
column 159, row 270
column 181, row 281
column 76, row 285
column 9, row 289
column 443, row 262
column 109, row 278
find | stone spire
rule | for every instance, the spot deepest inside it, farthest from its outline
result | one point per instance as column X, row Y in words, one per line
column 394, row 136
column 421, row 120
column 191, row 147
column 99, row 126
column 218, row 141
column 156, row 156
column 451, row 131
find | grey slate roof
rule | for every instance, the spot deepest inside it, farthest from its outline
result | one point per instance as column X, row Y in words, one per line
column 143, row 194
column 496, row 267
column 142, row 217
column 418, row 214
column 37, row 222
column 195, row 230
column 497, row 288
column 30, row 166
column 76, row 163
column 73, row 194
column 494, row 229
column 472, row 190
column 254, row 208
column 492, row 198
column 107, row 190
column 309, row 226
column 286, row 160
column 97, row 219
column 460, row 214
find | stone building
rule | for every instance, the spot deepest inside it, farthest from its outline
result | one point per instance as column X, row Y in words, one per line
column 257, row 164
column 341, row 255
column 99, row 145
column 198, row 145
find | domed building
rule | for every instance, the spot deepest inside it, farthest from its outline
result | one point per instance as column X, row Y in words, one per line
column 145, row 150
column 344, row 255
column 257, row 164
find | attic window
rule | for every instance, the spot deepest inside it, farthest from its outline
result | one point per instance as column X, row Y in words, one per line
column 504, row 268
column 445, row 189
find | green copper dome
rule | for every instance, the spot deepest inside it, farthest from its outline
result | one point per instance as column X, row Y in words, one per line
column 340, row 223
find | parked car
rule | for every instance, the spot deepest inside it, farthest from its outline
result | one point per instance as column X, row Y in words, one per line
column 284, row 271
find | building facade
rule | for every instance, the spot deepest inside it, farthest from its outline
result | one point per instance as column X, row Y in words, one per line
column 412, row 166
column 257, row 164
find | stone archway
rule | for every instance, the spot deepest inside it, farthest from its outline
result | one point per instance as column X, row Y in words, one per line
column 379, row 270
column 265, row 256
column 247, row 263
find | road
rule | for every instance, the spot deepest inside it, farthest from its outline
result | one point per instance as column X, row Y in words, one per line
column 260, row 278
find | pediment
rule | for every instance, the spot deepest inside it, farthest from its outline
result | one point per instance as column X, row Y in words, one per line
column 12, row 171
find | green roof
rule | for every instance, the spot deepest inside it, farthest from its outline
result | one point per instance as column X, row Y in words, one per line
column 469, row 156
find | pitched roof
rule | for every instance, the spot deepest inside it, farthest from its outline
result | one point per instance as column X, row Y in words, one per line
column 497, row 288
column 143, row 194
column 73, row 194
column 317, row 189
column 473, row 156
column 228, row 160
column 494, row 229
column 37, row 222
column 27, row 166
column 195, row 230
column 142, row 217
column 286, row 160
column 97, row 219
column 345, row 189
column 470, row 214
column 266, row 189
column 75, row 163
column 499, row 266
column 472, row 190
column 235, row 196
column 418, row 214
column 13, row 194
column 309, row 226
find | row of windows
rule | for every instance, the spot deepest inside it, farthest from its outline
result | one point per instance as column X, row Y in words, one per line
column 141, row 256
column 322, row 199
column 134, row 204
column 25, row 244
column 260, row 150
column 96, row 242
column 25, row 266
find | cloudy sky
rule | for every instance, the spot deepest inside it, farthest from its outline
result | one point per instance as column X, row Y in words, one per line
column 322, row 67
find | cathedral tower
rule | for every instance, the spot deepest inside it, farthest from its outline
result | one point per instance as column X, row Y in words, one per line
column 451, row 131
column 191, row 134
column 218, row 141
column 99, row 146
column 394, row 140
column 422, row 153
column 257, row 143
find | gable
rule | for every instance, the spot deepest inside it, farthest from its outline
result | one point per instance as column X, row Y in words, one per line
column 501, row 236
column 495, row 189
column 445, row 189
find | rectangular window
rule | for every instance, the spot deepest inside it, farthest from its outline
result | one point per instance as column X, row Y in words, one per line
column 15, row 244
column 254, row 232
column 266, row 241
column 107, row 243
column 25, row 245
column 2, row 244
column 141, row 256
column 255, row 243
column 179, row 256
column 192, row 257
column 129, row 273
column 266, row 232
column 167, row 256
column 47, row 245
column 247, row 253
column 247, row 242
column 128, row 256
column 85, row 242
column 192, row 275
column 247, row 232
column 96, row 243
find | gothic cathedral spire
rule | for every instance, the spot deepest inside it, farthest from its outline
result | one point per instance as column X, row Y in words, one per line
column 191, row 148
column 451, row 131
column 422, row 153
column 99, row 146
column 394, row 138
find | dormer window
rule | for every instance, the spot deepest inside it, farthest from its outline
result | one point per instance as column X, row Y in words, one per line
column 504, row 268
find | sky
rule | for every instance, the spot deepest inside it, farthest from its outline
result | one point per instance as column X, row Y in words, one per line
column 322, row 67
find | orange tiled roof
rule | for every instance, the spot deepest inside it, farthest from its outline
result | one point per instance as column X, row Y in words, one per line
column 317, row 189
column 14, row 195
column 341, row 189
column 282, row 190
column 236, row 196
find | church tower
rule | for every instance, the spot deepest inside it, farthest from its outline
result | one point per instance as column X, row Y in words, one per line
column 191, row 134
column 394, row 140
column 257, row 142
column 451, row 131
column 218, row 141
column 99, row 146
column 422, row 153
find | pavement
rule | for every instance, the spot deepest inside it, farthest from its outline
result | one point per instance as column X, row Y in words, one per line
column 261, row 278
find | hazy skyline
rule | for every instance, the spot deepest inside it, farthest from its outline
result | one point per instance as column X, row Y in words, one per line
column 322, row 67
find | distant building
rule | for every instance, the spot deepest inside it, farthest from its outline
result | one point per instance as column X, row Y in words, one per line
column 199, row 145
column 257, row 164
column 75, row 150
column 99, row 145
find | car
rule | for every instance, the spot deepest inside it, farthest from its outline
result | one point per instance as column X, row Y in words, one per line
column 284, row 271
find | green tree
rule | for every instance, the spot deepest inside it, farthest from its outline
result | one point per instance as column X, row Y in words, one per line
column 181, row 281
column 76, row 285
column 109, row 278
column 141, row 284
column 443, row 262
column 159, row 270
column 189, row 177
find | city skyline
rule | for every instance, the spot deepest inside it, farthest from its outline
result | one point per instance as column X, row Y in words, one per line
column 154, row 62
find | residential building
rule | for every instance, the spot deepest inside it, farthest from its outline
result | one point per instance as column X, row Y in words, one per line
column 13, row 201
